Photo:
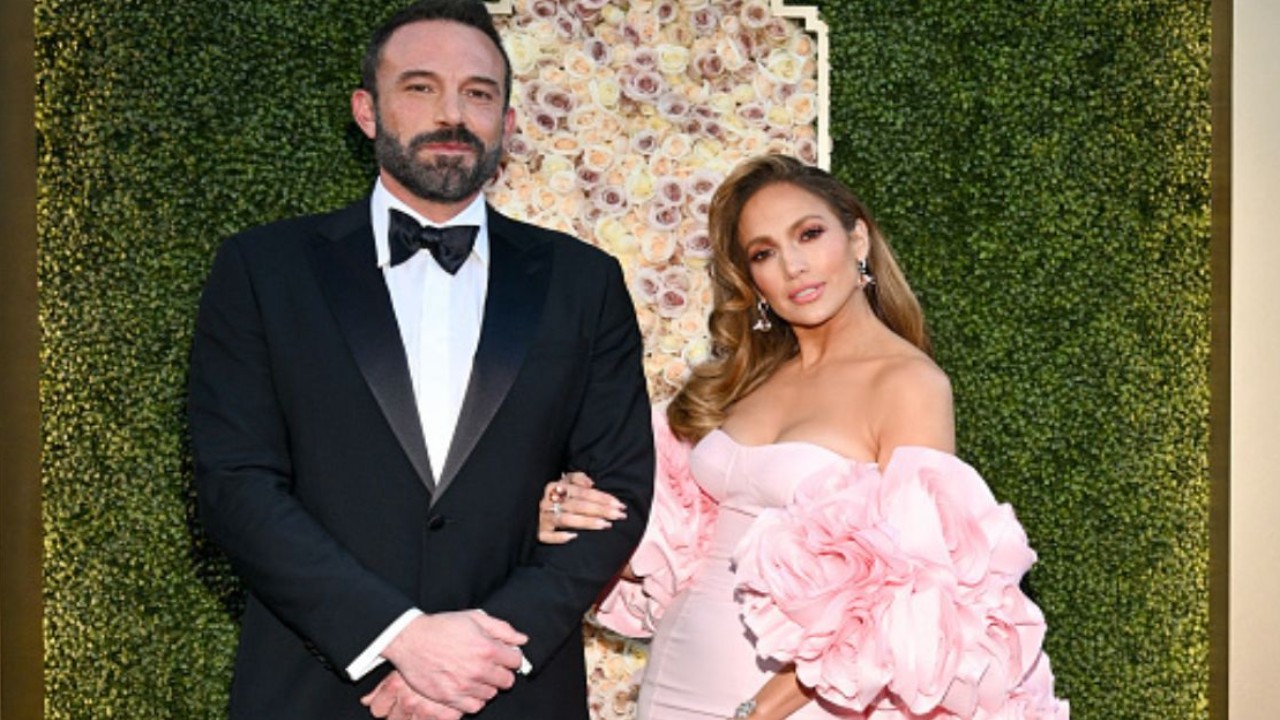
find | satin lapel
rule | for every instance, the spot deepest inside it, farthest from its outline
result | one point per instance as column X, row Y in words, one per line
column 519, row 271
column 357, row 294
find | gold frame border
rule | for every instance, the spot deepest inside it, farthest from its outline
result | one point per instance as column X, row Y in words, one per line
column 1220, row 23
column 21, row 541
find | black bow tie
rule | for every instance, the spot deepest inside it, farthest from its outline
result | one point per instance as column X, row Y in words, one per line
column 450, row 246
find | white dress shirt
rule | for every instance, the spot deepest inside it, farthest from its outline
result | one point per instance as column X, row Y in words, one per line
column 440, row 316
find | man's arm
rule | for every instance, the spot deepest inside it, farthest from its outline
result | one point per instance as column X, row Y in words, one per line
column 244, row 474
column 612, row 441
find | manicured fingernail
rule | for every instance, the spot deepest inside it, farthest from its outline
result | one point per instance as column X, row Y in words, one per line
column 602, row 524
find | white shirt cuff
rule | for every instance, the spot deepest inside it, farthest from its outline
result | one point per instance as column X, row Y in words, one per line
column 372, row 655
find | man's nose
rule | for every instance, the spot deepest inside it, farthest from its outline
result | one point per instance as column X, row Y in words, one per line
column 449, row 108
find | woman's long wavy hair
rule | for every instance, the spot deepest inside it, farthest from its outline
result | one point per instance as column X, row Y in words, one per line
column 743, row 358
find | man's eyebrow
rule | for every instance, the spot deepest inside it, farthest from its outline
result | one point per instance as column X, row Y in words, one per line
column 419, row 74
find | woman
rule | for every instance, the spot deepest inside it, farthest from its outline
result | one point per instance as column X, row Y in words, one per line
column 823, row 376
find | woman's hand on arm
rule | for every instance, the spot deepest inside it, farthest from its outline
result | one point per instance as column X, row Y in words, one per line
column 572, row 503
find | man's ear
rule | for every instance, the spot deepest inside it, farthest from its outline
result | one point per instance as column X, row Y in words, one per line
column 364, row 112
column 509, row 122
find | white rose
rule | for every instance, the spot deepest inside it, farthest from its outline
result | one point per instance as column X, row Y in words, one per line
column 665, row 218
column 801, row 44
column 784, row 66
column 552, row 164
column 584, row 116
column 609, row 199
column 640, row 186
column 563, row 182
column 779, row 115
column 676, row 146
column 670, row 342
column 675, row 371
column 690, row 325
column 732, row 53
column 554, row 100
column 553, row 75
column 697, row 351
column 612, row 235
column 598, row 50
column 645, row 318
column 676, row 277
column 578, row 64
column 764, row 86
column 673, row 105
column 525, row 52
column 703, row 182
column 563, row 143
column 644, row 24
column 803, row 108
column 671, row 190
column 672, row 59
column 755, row 14
column 704, row 20
column 743, row 93
column 697, row 248
column 605, row 91
column 646, row 284
column 644, row 86
column 613, row 14
column 598, row 157
column 657, row 247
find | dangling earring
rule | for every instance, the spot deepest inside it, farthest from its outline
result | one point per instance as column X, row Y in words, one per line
column 763, row 324
column 864, row 274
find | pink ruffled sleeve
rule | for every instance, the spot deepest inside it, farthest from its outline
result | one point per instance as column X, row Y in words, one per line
column 681, row 521
column 896, row 594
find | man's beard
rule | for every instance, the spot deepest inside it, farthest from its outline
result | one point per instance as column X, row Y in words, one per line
column 443, row 179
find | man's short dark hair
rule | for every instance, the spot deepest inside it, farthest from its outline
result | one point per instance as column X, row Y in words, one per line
column 472, row 13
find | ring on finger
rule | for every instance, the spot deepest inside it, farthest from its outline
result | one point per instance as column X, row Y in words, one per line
column 556, row 509
column 559, row 493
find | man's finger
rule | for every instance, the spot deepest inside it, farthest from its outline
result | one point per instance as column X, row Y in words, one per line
column 499, row 630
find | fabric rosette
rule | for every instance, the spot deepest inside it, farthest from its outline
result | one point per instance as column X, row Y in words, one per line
column 681, row 521
column 895, row 593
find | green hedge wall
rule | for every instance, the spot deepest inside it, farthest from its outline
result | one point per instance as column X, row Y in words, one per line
column 1041, row 167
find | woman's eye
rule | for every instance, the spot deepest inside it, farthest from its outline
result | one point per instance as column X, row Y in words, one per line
column 761, row 255
column 812, row 233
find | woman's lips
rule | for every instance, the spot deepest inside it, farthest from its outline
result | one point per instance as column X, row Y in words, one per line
column 807, row 294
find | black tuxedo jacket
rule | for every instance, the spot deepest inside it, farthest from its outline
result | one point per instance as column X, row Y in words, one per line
column 312, row 472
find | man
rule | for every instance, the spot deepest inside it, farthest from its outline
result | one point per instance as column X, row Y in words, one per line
column 373, row 426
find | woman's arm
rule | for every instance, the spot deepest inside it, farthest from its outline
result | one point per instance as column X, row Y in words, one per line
column 777, row 699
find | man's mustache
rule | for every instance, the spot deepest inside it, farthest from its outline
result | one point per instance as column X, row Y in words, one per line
column 448, row 135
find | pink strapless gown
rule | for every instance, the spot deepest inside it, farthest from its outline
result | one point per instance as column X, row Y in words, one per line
column 702, row 663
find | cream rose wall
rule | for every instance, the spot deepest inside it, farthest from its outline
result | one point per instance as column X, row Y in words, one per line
column 1255, row 360
column 628, row 122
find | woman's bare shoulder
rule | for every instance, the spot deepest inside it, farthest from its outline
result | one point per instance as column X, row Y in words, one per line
column 915, row 398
